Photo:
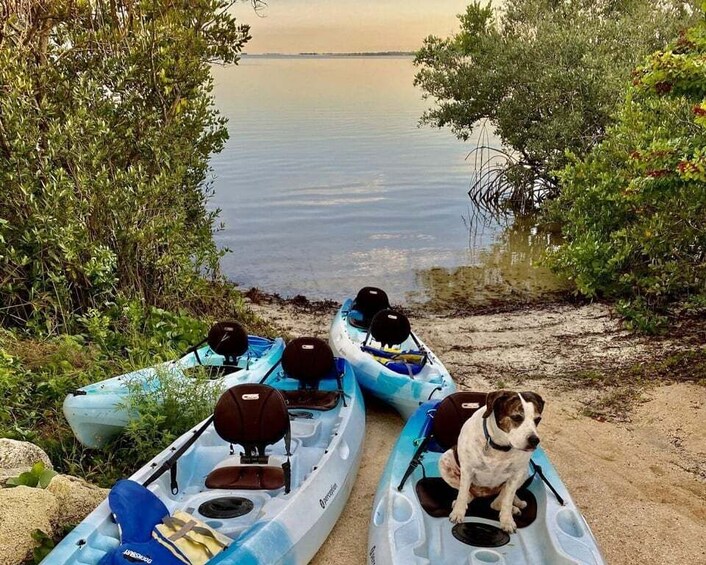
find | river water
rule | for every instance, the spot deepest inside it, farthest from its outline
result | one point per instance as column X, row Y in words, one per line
column 328, row 184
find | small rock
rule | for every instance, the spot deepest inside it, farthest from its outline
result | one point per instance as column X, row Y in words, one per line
column 23, row 510
column 76, row 497
column 21, row 455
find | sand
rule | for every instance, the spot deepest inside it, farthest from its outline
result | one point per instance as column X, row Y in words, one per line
column 641, row 482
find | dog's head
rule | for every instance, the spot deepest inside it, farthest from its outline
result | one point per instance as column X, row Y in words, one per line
column 517, row 414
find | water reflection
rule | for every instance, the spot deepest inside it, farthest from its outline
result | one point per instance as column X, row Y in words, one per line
column 510, row 269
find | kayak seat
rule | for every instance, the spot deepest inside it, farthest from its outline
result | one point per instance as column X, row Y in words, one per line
column 391, row 329
column 309, row 360
column 368, row 302
column 228, row 339
column 253, row 416
column 451, row 413
column 314, row 399
column 247, row 477
column 436, row 497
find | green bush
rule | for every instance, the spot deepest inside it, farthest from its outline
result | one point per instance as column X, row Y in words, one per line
column 167, row 407
column 634, row 209
column 37, row 374
column 106, row 128
column 547, row 75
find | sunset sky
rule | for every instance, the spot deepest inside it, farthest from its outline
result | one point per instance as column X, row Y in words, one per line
column 293, row 26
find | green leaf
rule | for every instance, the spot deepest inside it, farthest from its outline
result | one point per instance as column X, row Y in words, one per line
column 46, row 477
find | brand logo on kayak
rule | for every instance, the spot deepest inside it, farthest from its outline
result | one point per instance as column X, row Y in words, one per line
column 372, row 555
column 328, row 496
column 252, row 396
column 307, row 346
column 469, row 405
column 133, row 556
column 392, row 317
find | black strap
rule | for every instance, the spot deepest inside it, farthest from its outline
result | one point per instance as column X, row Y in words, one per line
column 195, row 350
column 171, row 462
column 537, row 471
column 173, row 484
column 415, row 462
column 270, row 371
column 287, row 466
column 339, row 382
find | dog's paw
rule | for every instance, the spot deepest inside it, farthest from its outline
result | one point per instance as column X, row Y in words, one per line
column 457, row 515
column 521, row 504
column 508, row 524
column 516, row 511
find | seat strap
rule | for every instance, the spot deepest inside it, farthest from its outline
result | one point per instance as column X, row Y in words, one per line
column 415, row 462
column 537, row 471
column 287, row 465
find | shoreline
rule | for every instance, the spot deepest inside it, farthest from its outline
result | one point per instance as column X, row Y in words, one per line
column 626, row 446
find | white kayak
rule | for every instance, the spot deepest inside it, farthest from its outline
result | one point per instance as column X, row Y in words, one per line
column 410, row 519
column 314, row 413
column 403, row 372
column 99, row 412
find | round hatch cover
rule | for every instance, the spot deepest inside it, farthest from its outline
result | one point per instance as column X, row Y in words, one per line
column 480, row 535
column 226, row 507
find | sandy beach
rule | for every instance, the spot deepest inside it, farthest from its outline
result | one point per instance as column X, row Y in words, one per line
column 638, row 475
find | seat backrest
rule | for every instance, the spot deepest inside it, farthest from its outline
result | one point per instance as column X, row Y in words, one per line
column 370, row 300
column 308, row 359
column 251, row 415
column 452, row 412
column 390, row 327
column 228, row 339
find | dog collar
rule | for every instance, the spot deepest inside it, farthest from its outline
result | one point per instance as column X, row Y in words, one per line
column 489, row 440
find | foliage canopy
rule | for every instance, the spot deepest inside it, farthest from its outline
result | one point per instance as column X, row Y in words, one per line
column 547, row 74
column 634, row 209
column 106, row 128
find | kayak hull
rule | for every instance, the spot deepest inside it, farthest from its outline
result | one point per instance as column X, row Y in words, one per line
column 403, row 392
column 401, row 532
column 280, row 529
column 98, row 413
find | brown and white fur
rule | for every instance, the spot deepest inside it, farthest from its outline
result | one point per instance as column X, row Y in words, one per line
column 512, row 419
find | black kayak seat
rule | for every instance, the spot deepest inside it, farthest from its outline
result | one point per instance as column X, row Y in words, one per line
column 310, row 360
column 253, row 416
column 369, row 301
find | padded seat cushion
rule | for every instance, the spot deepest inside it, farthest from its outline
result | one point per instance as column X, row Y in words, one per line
column 312, row 399
column 249, row 477
column 436, row 497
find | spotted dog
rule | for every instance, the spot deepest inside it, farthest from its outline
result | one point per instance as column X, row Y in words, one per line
column 493, row 453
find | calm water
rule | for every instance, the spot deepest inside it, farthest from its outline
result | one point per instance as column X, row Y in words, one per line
column 327, row 184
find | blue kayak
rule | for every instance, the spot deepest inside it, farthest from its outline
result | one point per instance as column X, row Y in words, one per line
column 404, row 374
column 278, row 494
column 410, row 518
column 98, row 412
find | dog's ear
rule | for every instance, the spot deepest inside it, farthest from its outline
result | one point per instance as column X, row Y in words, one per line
column 535, row 399
column 494, row 398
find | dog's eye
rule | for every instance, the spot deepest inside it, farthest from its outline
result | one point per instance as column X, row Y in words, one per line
column 537, row 420
column 517, row 418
